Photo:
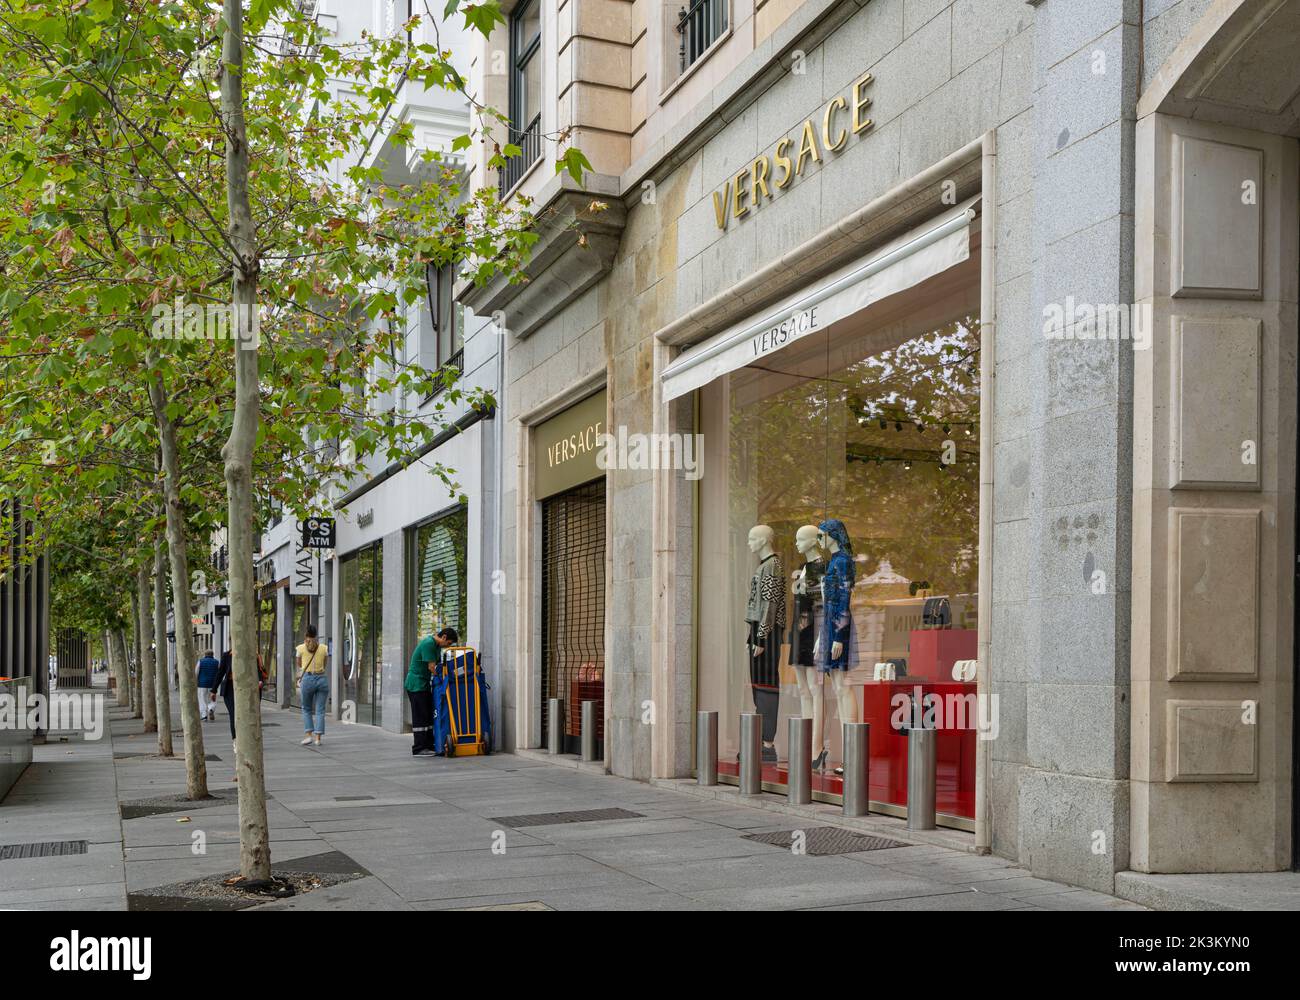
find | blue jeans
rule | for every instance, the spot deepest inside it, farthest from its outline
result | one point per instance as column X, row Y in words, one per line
column 315, row 689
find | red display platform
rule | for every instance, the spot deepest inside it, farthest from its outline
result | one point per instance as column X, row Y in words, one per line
column 885, row 704
column 932, row 652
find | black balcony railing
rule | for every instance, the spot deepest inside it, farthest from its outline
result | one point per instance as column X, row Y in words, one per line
column 529, row 141
column 700, row 25
column 457, row 364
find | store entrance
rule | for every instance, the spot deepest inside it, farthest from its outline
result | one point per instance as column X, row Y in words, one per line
column 573, row 603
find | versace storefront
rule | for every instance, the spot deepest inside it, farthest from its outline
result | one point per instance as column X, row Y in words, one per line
column 839, row 527
column 860, row 265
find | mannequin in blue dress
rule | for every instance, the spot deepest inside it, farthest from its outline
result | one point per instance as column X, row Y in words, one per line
column 834, row 640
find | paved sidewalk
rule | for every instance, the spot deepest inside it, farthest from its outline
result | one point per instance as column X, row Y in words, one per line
column 424, row 830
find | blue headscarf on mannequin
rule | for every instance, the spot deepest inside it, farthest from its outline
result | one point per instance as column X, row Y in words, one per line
column 836, row 530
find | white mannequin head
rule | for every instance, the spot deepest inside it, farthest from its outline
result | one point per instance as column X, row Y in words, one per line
column 827, row 542
column 760, row 539
column 805, row 540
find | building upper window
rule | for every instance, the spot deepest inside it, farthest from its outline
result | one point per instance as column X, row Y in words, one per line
column 700, row 23
column 445, row 345
column 525, row 90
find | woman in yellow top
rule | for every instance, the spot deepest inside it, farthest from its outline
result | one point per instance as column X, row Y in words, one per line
column 314, row 687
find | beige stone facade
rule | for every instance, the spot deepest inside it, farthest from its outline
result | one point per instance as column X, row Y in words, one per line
column 1136, row 575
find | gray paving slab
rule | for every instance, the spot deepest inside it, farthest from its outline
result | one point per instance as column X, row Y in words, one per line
column 523, row 887
column 1078, row 899
column 770, row 868
column 802, row 895
column 667, row 848
column 16, row 897
column 1021, row 885
column 360, row 894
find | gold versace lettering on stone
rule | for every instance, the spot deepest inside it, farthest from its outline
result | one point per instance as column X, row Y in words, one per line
column 747, row 188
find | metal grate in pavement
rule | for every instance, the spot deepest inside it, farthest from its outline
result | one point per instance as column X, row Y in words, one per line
column 42, row 849
column 353, row 798
column 823, row 840
column 574, row 816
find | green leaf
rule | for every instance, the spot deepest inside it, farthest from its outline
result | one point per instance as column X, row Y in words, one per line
column 575, row 162
column 483, row 16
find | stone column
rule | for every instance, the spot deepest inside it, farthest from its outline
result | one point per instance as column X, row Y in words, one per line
column 396, row 713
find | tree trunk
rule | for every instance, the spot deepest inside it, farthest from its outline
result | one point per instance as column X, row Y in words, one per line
column 254, row 838
column 162, row 686
column 196, row 770
column 133, row 656
column 124, row 693
column 114, row 664
column 143, row 602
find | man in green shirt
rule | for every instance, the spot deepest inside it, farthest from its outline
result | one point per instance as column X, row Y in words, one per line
column 428, row 651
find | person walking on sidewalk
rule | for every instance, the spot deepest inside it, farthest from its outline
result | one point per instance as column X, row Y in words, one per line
column 224, row 682
column 315, row 687
column 427, row 653
column 205, row 681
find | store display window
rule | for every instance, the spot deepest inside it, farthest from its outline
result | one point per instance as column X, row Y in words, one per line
column 268, row 642
column 438, row 594
column 361, row 594
column 838, row 546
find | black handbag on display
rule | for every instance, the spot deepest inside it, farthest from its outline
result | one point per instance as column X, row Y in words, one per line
column 937, row 612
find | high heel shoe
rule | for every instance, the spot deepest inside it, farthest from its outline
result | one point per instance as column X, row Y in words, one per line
column 820, row 763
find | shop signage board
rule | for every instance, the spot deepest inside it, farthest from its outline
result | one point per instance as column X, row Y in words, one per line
column 318, row 533
column 304, row 574
column 566, row 447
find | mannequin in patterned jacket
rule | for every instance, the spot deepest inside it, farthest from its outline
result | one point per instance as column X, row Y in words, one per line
column 765, row 623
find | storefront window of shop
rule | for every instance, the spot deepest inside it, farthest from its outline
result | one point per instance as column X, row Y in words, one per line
column 573, row 601
column 361, row 601
column 438, row 597
column 302, row 616
column 267, row 644
column 839, row 540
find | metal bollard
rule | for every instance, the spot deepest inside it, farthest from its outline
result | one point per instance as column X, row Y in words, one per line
column 555, row 725
column 589, row 730
column 857, row 768
column 706, row 748
column 751, row 753
column 799, row 788
column 921, row 747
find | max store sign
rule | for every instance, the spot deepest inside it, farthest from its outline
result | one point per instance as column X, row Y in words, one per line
column 830, row 133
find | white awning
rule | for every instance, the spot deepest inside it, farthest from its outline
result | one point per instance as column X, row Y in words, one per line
column 928, row 250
